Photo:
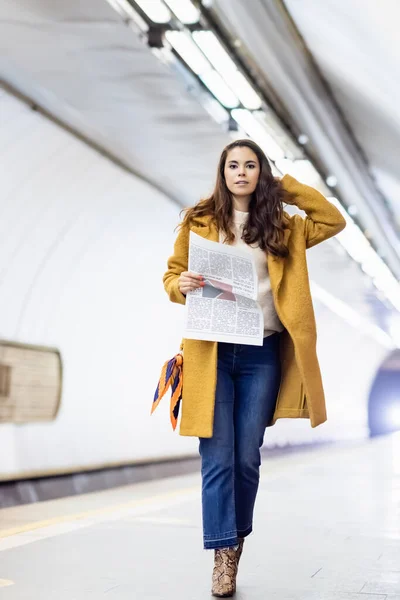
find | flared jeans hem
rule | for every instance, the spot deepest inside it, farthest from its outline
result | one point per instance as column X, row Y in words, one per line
column 221, row 543
column 226, row 542
column 245, row 532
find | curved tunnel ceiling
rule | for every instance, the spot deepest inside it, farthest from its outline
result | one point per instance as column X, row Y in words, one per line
column 268, row 34
column 356, row 46
column 79, row 61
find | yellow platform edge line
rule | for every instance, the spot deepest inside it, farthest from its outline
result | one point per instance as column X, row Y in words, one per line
column 95, row 512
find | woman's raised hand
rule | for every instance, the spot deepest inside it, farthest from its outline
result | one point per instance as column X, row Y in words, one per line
column 190, row 281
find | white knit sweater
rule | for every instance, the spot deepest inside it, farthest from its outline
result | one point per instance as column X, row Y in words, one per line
column 265, row 298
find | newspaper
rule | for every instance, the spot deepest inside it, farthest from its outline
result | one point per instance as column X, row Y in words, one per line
column 226, row 308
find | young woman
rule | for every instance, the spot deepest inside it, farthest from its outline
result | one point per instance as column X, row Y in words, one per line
column 232, row 392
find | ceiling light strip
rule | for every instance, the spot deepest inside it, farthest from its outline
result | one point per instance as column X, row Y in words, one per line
column 156, row 10
column 222, row 62
column 247, row 121
column 183, row 44
column 126, row 10
column 184, row 10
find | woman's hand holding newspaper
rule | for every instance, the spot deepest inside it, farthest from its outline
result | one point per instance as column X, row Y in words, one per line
column 189, row 281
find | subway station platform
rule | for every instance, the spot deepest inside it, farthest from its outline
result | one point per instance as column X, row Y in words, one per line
column 327, row 527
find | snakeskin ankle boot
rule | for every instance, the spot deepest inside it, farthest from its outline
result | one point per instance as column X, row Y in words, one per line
column 224, row 573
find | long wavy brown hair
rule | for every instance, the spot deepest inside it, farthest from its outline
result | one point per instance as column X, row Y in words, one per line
column 265, row 225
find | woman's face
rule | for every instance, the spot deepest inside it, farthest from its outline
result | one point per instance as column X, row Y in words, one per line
column 241, row 165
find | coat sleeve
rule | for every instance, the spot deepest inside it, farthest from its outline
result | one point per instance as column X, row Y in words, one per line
column 323, row 219
column 177, row 263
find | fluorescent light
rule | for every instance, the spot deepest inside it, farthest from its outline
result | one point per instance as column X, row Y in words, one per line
column 184, row 10
column 247, row 96
column 214, row 108
column 188, row 50
column 271, row 124
column 254, row 129
column 192, row 55
column 285, row 165
column 126, row 10
column 218, row 87
column 215, row 52
column 304, row 171
column 155, row 10
column 220, row 59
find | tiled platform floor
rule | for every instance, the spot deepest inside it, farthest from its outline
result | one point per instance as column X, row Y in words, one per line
column 327, row 527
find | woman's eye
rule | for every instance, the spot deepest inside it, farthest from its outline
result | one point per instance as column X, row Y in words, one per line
column 232, row 166
column 251, row 166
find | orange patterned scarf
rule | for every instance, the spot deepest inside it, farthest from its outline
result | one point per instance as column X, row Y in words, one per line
column 171, row 375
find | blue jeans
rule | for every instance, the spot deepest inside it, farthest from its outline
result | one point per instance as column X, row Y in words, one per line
column 248, row 379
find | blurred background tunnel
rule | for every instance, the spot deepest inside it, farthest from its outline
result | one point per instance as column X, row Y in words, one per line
column 112, row 118
column 384, row 398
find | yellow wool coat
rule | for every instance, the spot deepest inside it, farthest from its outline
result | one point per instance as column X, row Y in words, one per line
column 301, row 393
